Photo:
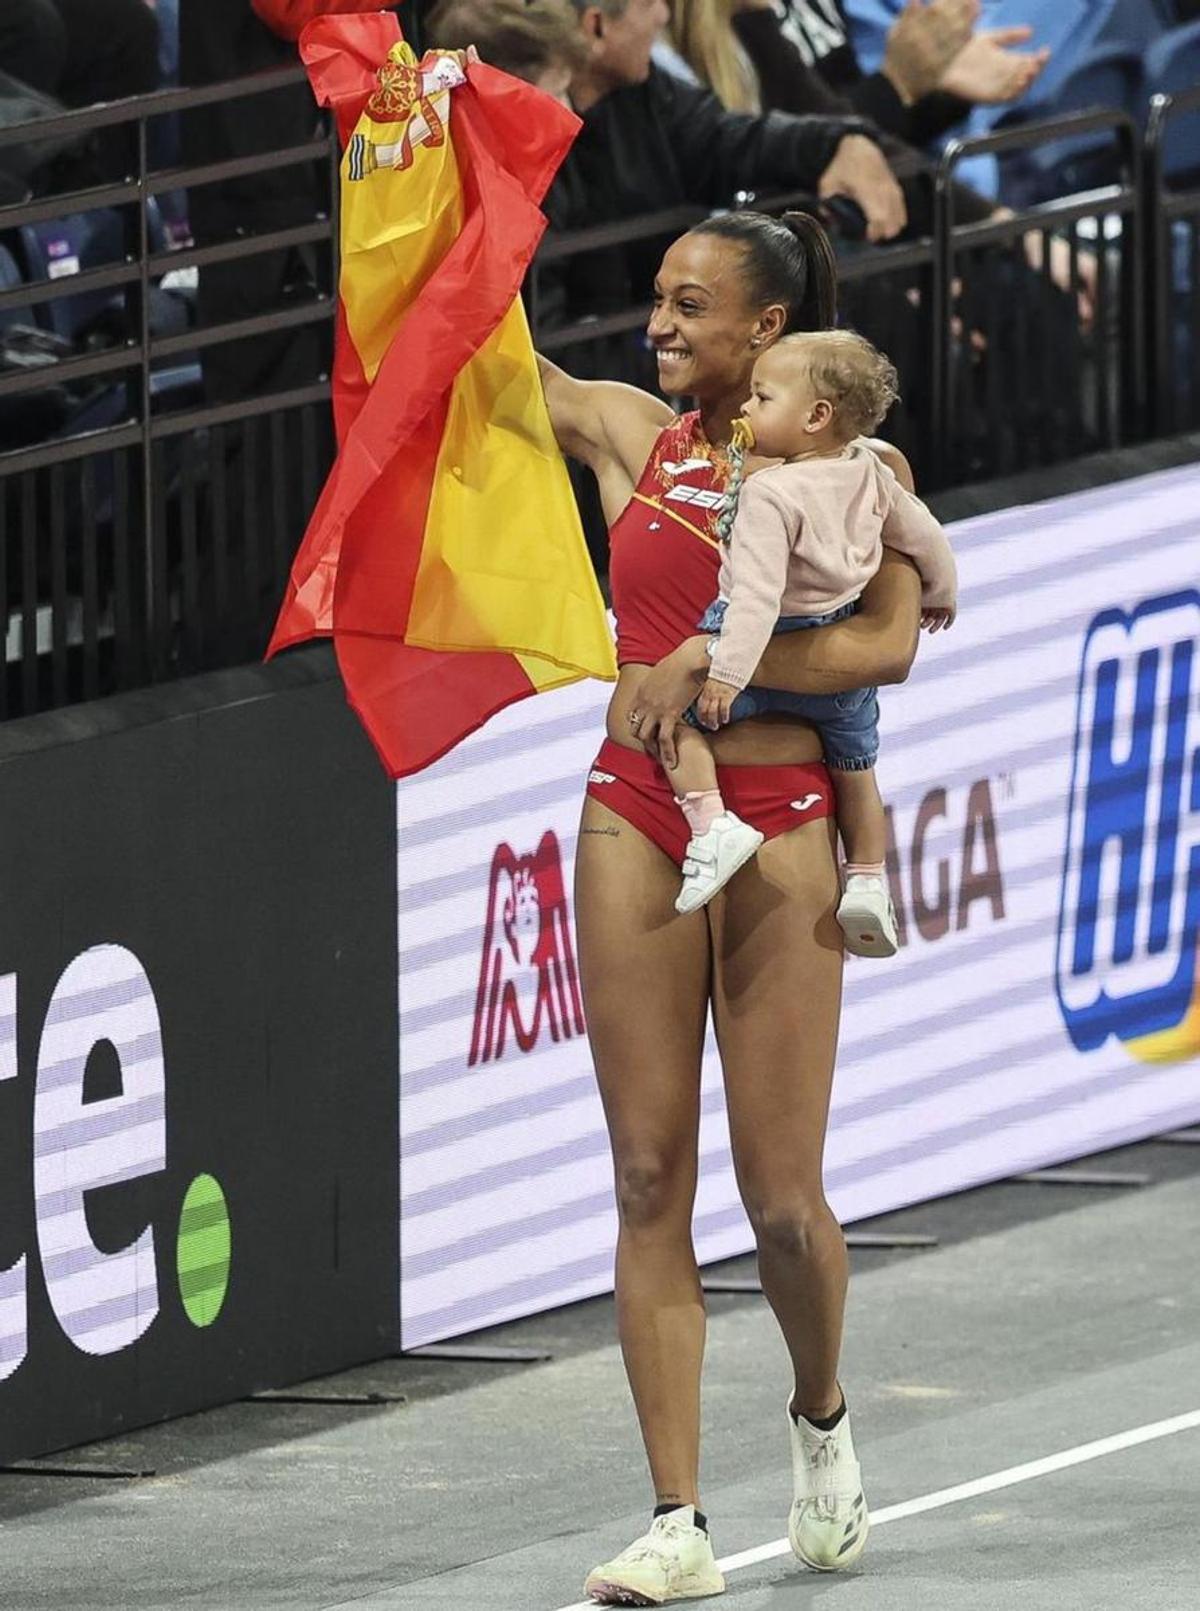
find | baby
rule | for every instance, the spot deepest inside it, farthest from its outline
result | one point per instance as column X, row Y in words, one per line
column 800, row 542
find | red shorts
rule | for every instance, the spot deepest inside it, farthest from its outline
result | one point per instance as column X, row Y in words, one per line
column 772, row 799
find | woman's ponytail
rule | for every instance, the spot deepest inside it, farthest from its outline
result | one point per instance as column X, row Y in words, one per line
column 787, row 260
column 818, row 306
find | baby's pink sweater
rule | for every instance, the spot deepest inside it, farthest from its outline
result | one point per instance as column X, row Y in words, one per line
column 807, row 539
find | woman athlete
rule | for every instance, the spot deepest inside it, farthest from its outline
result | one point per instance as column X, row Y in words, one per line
column 767, row 953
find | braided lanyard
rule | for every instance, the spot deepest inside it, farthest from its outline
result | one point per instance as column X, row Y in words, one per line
column 741, row 442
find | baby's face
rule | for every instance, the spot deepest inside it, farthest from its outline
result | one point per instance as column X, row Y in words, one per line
column 780, row 404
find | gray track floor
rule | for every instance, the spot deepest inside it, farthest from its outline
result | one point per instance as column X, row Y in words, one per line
column 1048, row 1318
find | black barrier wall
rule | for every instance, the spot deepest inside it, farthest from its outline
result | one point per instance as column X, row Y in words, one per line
column 198, row 1132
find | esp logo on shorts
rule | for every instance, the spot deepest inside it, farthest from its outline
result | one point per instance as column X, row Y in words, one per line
column 527, row 974
column 1130, row 911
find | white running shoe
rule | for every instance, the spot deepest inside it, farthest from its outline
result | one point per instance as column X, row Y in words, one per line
column 828, row 1524
column 712, row 858
column 867, row 916
column 673, row 1561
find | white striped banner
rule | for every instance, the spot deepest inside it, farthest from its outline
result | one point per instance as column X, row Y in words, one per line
column 955, row 1066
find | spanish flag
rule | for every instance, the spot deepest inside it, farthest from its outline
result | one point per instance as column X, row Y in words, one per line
column 445, row 556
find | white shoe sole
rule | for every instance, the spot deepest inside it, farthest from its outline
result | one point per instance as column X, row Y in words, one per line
column 682, row 904
column 606, row 1592
column 864, row 933
column 848, row 1560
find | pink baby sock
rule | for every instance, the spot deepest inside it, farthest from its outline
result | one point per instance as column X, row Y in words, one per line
column 701, row 810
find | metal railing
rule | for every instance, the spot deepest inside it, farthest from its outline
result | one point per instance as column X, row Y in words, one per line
column 1055, row 367
column 1173, row 302
column 149, row 535
column 152, row 537
column 973, row 327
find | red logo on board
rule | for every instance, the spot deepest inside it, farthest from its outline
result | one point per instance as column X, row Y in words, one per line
column 527, row 974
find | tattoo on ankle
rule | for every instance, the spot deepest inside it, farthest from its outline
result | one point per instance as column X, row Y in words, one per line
column 668, row 1499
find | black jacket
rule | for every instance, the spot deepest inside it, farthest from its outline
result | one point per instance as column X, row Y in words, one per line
column 818, row 30
column 220, row 39
column 658, row 145
column 788, row 84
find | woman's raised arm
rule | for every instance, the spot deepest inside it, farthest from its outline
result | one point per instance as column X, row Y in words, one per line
column 875, row 645
column 601, row 422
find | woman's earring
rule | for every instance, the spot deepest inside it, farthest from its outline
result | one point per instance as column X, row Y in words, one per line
column 755, row 341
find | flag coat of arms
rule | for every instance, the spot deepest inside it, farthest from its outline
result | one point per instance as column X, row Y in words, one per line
column 445, row 556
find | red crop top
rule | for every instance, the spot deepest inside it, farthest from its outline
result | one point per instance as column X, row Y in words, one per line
column 663, row 551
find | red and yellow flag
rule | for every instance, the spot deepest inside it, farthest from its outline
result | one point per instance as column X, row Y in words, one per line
column 445, row 556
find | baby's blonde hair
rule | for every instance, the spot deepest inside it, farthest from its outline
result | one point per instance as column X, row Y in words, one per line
column 850, row 373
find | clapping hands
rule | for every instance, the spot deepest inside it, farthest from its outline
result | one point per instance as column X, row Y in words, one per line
column 987, row 69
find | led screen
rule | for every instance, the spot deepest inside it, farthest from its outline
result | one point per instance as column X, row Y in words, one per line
column 1044, row 799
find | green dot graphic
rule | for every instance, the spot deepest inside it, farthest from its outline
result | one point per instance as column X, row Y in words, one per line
column 203, row 1252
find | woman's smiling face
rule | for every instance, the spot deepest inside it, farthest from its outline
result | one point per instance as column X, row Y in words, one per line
column 701, row 327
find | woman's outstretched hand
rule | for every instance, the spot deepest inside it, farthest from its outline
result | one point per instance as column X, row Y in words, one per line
column 665, row 693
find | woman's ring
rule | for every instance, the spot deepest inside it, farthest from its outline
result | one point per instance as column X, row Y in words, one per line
column 635, row 718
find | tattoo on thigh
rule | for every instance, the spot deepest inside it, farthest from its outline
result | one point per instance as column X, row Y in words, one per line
column 608, row 833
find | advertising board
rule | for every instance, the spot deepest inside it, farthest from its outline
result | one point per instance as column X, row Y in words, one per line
column 197, row 1055
column 1040, row 772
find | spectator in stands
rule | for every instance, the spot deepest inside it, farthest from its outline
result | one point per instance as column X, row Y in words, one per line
column 218, row 40
column 80, row 51
column 224, row 39
column 739, row 48
column 748, row 51
column 650, row 142
column 539, row 43
column 744, row 46
column 935, row 63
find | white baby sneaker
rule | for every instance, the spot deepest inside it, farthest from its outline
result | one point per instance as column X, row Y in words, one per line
column 712, row 858
column 867, row 916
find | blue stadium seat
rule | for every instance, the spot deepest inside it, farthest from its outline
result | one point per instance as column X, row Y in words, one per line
column 1173, row 64
column 10, row 278
column 66, row 246
column 1136, row 23
column 1109, row 76
column 61, row 247
column 33, row 416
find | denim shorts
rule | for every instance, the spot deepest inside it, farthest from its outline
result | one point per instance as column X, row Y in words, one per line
column 848, row 723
